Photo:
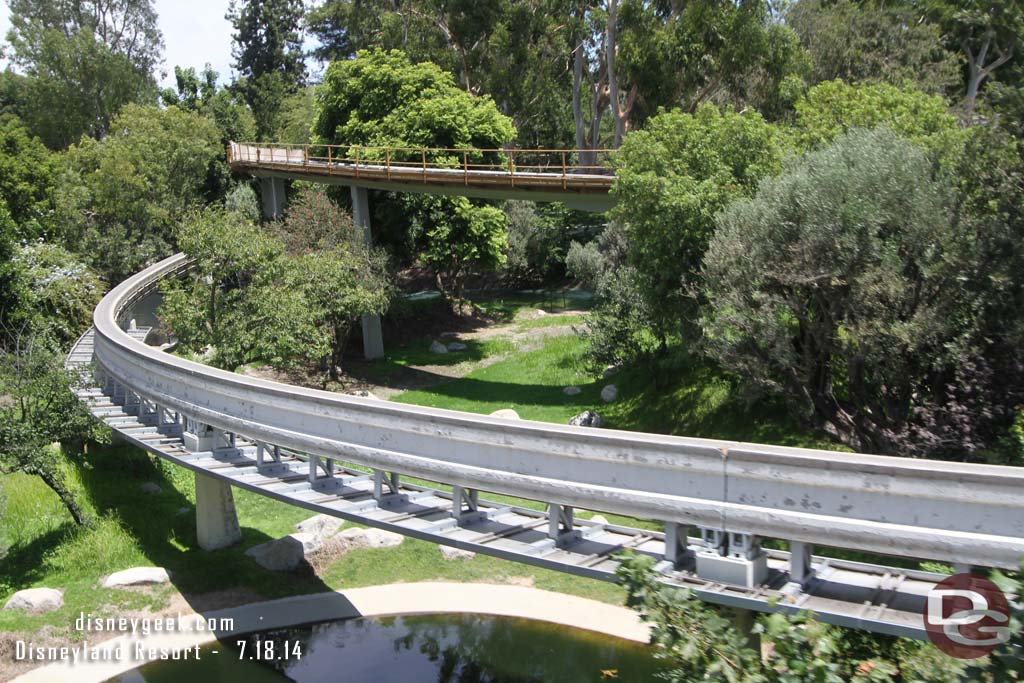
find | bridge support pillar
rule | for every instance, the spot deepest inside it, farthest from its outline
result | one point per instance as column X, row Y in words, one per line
column 216, row 520
column 272, row 195
column 800, row 569
column 676, row 549
column 464, row 500
column 731, row 557
column 373, row 338
column 560, row 521
column 380, row 478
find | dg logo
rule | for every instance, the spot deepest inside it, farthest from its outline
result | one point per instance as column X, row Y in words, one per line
column 967, row 616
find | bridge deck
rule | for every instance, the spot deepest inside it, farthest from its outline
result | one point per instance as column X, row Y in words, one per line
column 547, row 179
column 876, row 598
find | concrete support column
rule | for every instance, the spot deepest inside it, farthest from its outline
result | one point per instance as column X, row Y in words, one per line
column 272, row 194
column 464, row 500
column 676, row 549
column 560, row 520
column 380, row 478
column 373, row 338
column 216, row 520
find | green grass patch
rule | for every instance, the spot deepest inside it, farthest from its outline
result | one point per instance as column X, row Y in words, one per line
column 550, row 321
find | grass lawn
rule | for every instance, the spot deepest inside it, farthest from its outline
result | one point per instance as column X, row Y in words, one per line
column 44, row 548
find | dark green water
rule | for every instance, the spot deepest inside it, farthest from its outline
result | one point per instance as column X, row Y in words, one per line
column 416, row 649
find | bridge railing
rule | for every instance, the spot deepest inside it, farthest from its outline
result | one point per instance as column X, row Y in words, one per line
column 734, row 492
column 558, row 163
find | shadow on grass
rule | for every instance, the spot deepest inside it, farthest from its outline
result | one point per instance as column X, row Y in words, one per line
column 24, row 564
column 163, row 526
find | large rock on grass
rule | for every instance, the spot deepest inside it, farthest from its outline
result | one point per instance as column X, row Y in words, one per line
column 588, row 418
column 449, row 553
column 136, row 576
column 506, row 413
column 609, row 393
column 369, row 538
column 284, row 554
column 321, row 526
column 36, row 600
column 438, row 347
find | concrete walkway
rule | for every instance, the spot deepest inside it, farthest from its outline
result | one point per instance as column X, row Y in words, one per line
column 395, row 599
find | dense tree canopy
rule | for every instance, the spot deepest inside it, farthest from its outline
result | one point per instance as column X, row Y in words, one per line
column 86, row 59
column 121, row 197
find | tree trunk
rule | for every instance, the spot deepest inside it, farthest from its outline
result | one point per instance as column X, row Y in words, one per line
column 57, row 486
column 613, row 82
column 577, row 94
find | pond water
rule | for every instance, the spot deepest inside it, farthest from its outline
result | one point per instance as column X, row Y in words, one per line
column 414, row 649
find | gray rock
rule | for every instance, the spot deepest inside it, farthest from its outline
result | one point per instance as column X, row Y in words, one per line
column 362, row 393
column 370, row 538
column 36, row 600
column 572, row 391
column 438, row 347
column 588, row 418
column 611, row 370
column 457, row 346
column 609, row 393
column 283, row 554
column 506, row 413
column 150, row 487
column 136, row 576
column 449, row 553
column 321, row 526
column 599, row 519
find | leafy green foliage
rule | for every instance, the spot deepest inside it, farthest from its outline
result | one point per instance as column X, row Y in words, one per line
column 86, row 60
column 38, row 409
column 871, row 42
column 242, row 199
column 701, row 642
column 1006, row 663
column 382, row 99
column 832, row 108
column 839, row 285
column 268, row 55
column 55, row 292
column 673, row 177
column 121, row 197
column 27, row 176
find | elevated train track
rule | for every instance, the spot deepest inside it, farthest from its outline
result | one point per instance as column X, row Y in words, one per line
column 367, row 461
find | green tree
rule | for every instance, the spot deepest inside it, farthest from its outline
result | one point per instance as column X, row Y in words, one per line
column 341, row 276
column 120, row 198
column 988, row 32
column 54, row 292
column 673, row 177
column 382, row 99
column 238, row 303
column 832, row 108
column 875, row 42
column 86, row 59
column 841, row 286
column 295, row 120
column 27, row 178
column 39, row 409
column 268, row 55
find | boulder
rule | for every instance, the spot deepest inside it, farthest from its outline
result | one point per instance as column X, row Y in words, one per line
column 321, row 526
column 609, row 393
column 136, row 576
column 370, row 538
column 438, row 347
column 599, row 519
column 610, row 370
column 457, row 346
column 506, row 413
column 449, row 553
column 572, row 391
column 588, row 418
column 150, row 487
column 283, row 554
column 36, row 600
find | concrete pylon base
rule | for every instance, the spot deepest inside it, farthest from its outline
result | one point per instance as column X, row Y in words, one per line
column 216, row 520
